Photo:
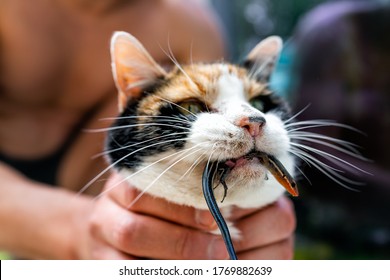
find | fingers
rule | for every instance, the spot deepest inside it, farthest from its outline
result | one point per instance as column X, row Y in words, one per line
column 103, row 251
column 270, row 225
column 125, row 195
column 144, row 236
column 283, row 250
column 157, row 229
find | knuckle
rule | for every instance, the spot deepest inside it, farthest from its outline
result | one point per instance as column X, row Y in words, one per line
column 183, row 244
column 130, row 193
column 126, row 232
column 94, row 226
column 287, row 218
column 287, row 249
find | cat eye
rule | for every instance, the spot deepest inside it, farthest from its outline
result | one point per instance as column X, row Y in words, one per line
column 257, row 103
column 191, row 107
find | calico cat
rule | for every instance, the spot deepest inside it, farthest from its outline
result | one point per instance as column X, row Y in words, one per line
column 171, row 124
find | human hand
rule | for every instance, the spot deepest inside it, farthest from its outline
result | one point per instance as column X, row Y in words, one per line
column 152, row 228
column 267, row 233
column 156, row 229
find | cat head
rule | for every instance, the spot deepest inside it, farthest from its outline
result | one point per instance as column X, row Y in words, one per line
column 171, row 124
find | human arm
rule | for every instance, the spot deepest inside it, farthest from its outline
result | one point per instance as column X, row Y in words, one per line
column 37, row 221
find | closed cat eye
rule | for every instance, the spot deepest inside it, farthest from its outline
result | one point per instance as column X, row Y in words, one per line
column 188, row 107
column 257, row 103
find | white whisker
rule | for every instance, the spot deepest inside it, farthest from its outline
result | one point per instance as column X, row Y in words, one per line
column 134, row 125
column 309, row 156
column 307, row 134
column 331, row 173
column 140, row 143
column 340, row 149
column 328, row 155
column 297, row 114
column 163, row 118
column 116, row 162
column 303, row 174
column 193, row 166
column 162, row 173
column 292, row 151
column 139, row 171
column 301, row 125
column 170, row 55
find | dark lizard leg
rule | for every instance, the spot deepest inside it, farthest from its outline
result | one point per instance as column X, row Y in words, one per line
column 225, row 173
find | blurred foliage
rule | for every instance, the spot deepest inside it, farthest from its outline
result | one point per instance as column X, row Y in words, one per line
column 4, row 256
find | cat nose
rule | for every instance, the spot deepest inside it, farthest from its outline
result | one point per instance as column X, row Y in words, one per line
column 253, row 125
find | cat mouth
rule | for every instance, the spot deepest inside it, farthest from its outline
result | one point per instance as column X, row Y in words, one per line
column 269, row 162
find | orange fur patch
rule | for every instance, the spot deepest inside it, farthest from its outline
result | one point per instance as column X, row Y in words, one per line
column 199, row 82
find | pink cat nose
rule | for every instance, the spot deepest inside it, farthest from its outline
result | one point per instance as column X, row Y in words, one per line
column 253, row 125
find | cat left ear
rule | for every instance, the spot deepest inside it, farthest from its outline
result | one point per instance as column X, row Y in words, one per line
column 262, row 59
column 133, row 67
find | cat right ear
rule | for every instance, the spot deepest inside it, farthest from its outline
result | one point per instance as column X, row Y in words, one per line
column 262, row 59
column 133, row 67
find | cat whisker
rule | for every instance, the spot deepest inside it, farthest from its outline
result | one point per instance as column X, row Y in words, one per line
column 170, row 55
column 330, row 172
column 193, row 166
column 303, row 174
column 139, row 143
column 292, row 151
column 297, row 114
column 161, row 174
column 134, row 125
column 302, row 125
column 209, row 159
column 104, row 171
column 328, row 156
column 353, row 152
column 305, row 155
column 137, row 172
column 343, row 143
column 164, row 118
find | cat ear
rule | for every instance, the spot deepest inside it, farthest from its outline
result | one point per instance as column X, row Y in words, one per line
column 133, row 67
column 262, row 59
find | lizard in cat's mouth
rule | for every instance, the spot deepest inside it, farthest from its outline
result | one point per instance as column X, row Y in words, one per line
column 271, row 163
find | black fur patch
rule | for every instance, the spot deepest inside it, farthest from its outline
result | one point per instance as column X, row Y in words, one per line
column 130, row 133
column 273, row 102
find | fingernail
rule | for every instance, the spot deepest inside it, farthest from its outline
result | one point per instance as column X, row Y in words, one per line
column 205, row 219
column 217, row 250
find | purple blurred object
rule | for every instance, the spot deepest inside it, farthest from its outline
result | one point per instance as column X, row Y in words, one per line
column 342, row 67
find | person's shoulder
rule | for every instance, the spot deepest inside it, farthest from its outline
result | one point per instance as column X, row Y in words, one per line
column 196, row 23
